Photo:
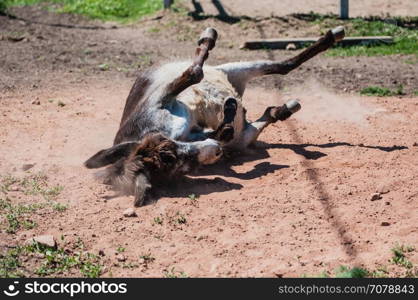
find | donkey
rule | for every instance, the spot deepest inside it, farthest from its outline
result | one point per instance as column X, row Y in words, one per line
column 184, row 114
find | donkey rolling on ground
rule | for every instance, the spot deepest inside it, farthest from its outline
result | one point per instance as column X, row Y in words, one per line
column 184, row 114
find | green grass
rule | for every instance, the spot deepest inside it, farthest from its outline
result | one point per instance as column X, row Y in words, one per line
column 18, row 262
column 107, row 10
column 18, row 215
column 173, row 273
column 158, row 220
column 399, row 257
column 405, row 39
column 345, row 272
column 382, row 91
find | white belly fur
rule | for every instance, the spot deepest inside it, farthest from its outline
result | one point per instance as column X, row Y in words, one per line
column 203, row 102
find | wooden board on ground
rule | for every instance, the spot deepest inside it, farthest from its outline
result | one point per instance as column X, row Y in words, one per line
column 302, row 42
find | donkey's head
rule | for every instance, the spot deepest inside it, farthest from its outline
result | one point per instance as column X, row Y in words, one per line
column 136, row 166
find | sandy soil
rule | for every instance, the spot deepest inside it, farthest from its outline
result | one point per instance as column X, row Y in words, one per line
column 298, row 203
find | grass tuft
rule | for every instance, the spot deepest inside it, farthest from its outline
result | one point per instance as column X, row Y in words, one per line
column 382, row 91
column 53, row 262
column 107, row 10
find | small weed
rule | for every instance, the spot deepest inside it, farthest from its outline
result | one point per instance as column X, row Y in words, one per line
column 382, row 91
column 59, row 206
column 158, row 220
column 173, row 273
column 144, row 61
column 104, row 67
column 16, row 215
column 193, row 199
column 345, row 272
column 10, row 264
column 181, row 219
column 380, row 272
column 154, row 30
column 54, row 261
column 130, row 265
column 399, row 257
column 147, row 258
column 120, row 249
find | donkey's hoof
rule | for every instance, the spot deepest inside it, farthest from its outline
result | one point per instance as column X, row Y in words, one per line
column 338, row 33
column 293, row 106
column 230, row 110
column 227, row 134
column 209, row 36
column 284, row 112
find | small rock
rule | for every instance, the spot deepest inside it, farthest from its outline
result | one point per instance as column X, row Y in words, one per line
column 14, row 188
column 130, row 212
column 382, row 190
column 36, row 102
column 415, row 144
column 46, row 240
column 101, row 252
column 375, row 196
column 121, row 257
column 291, row 46
column 385, row 224
column 39, row 255
column 26, row 167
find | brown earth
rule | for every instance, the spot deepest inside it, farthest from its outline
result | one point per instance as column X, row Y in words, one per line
column 298, row 203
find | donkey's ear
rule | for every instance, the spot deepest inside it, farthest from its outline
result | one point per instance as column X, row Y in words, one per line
column 142, row 189
column 110, row 155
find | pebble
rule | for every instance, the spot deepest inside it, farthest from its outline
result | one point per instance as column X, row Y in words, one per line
column 130, row 212
column 121, row 257
column 291, row 46
column 45, row 240
column 385, row 224
column 375, row 196
column 26, row 167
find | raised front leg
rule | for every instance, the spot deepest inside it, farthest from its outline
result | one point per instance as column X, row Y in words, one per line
column 194, row 74
column 271, row 115
column 241, row 72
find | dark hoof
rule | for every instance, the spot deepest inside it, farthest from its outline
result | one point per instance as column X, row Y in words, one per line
column 338, row 33
column 227, row 134
column 209, row 36
column 230, row 110
column 283, row 113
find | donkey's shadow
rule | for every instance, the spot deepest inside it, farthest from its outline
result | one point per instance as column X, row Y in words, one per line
column 260, row 151
column 197, row 185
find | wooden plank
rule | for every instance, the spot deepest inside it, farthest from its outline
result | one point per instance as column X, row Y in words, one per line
column 302, row 42
column 344, row 8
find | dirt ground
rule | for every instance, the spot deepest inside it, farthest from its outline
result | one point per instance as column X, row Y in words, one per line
column 298, row 203
column 358, row 8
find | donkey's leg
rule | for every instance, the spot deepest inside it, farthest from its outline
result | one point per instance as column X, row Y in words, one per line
column 240, row 73
column 194, row 74
column 271, row 115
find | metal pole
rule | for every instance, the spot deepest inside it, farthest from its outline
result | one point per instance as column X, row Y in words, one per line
column 168, row 3
column 344, row 9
